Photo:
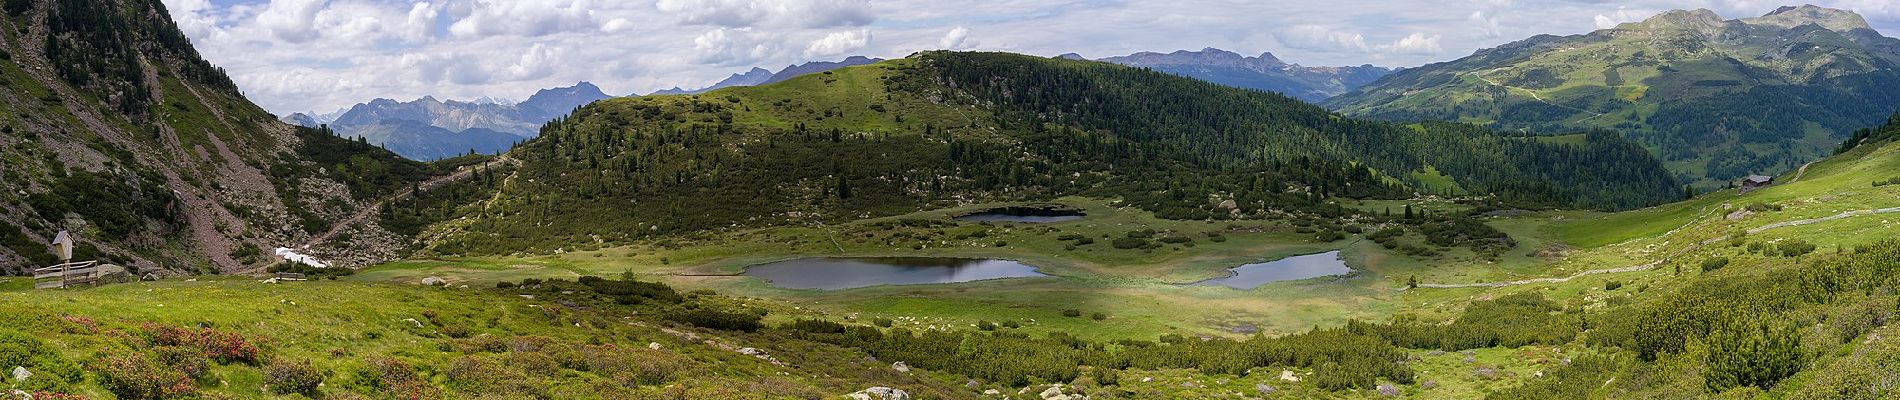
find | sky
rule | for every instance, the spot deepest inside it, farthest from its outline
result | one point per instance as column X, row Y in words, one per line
column 322, row 55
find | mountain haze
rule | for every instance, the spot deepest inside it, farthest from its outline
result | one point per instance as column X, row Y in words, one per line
column 1264, row 72
column 1717, row 99
column 428, row 129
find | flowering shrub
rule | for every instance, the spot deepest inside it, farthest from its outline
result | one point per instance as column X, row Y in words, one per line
column 222, row 346
column 56, row 396
column 78, row 324
column 132, row 376
column 288, row 377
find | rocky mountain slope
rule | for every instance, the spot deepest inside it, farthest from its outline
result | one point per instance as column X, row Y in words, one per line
column 1264, row 72
column 113, row 127
column 1717, row 99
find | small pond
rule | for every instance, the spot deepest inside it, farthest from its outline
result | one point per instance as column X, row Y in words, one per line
column 1028, row 214
column 1251, row 276
column 832, row 273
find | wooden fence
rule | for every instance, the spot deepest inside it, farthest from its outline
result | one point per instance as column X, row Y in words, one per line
column 68, row 274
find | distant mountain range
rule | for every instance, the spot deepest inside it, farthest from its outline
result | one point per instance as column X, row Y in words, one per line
column 428, row 129
column 761, row 76
column 1264, row 72
column 1716, row 99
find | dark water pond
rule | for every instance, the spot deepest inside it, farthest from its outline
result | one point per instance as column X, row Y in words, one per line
column 1251, row 276
column 832, row 273
column 1023, row 214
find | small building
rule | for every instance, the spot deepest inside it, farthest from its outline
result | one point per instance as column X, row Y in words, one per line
column 1753, row 182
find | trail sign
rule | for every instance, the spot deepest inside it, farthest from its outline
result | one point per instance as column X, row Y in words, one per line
column 63, row 246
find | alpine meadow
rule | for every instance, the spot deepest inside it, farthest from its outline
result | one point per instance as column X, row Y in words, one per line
column 938, row 200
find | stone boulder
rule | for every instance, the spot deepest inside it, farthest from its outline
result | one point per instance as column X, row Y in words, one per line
column 879, row 393
column 434, row 281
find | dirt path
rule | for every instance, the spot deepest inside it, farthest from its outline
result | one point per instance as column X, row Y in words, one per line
column 365, row 213
column 1535, row 96
column 1801, row 172
column 1643, row 267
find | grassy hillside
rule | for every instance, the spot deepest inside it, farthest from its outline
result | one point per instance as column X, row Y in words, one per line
column 941, row 129
column 1715, row 99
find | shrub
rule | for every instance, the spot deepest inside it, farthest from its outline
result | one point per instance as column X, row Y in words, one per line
column 1612, row 285
column 1129, row 243
column 1794, row 248
column 1714, row 264
column 705, row 316
column 1098, row 316
column 1176, row 239
column 985, row 325
column 292, row 377
column 1084, row 241
column 1329, row 236
column 219, row 345
column 1012, row 324
column 1758, row 354
column 1000, row 243
column 129, row 375
column 882, row 322
column 504, row 285
column 814, row 326
column 456, row 331
column 1141, row 234
column 1071, row 313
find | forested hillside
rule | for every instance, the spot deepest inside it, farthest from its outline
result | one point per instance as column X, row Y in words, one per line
column 1715, row 99
column 112, row 127
column 942, row 128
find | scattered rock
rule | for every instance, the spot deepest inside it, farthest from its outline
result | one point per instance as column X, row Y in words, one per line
column 1264, row 389
column 1470, row 359
column 413, row 321
column 1190, row 385
column 1487, row 373
column 1054, row 392
column 1428, row 385
column 434, row 281
column 1388, row 390
column 972, row 384
column 1289, row 376
column 880, row 393
column 992, row 392
column 900, row 366
column 528, row 296
column 1146, row 379
column 20, row 374
column 654, row 345
column 751, row 351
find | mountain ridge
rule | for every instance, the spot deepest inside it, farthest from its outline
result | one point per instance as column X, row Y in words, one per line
column 1715, row 98
column 1263, row 72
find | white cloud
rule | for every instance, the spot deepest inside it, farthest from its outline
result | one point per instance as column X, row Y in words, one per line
column 1415, row 43
column 838, row 43
column 421, row 22
column 955, row 39
column 755, row 13
column 292, row 21
column 1320, row 38
column 731, row 46
column 524, row 18
column 1486, row 24
column 1620, row 16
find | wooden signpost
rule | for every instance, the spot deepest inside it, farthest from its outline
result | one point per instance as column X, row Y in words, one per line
column 68, row 273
